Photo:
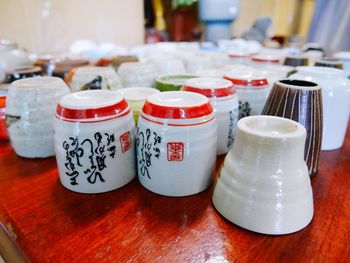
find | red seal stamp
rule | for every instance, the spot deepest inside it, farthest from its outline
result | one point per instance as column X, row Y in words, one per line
column 125, row 141
column 175, row 151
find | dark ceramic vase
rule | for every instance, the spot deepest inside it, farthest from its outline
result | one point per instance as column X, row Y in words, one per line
column 300, row 101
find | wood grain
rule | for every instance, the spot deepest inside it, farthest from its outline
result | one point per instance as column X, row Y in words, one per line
column 52, row 224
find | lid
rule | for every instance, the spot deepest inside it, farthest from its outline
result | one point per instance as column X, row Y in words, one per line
column 210, row 87
column 177, row 105
column 90, row 105
column 266, row 58
column 251, row 78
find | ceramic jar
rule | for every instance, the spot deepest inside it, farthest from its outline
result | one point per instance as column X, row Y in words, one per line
column 344, row 57
column 30, row 111
column 3, row 129
column 252, row 91
column 168, row 65
column 264, row 184
column 329, row 62
column 137, row 74
column 176, row 143
column 223, row 98
column 300, row 101
column 296, row 61
column 261, row 60
column 336, row 98
column 136, row 97
column 172, row 82
column 239, row 57
column 85, row 78
column 94, row 141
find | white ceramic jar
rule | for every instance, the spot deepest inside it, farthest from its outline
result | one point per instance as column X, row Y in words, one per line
column 30, row 111
column 335, row 96
column 261, row 60
column 136, row 97
column 252, row 91
column 223, row 99
column 176, row 143
column 94, row 141
column 344, row 56
column 86, row 78
column 137, row 74
column 264, row 184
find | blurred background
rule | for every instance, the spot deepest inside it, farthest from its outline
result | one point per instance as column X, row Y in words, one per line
column 54, row 25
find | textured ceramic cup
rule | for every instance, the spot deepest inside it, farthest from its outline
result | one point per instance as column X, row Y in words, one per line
column 300, row 101
column 264, row 184
column 329, row 62
column 252, row 91
column 176, row 143
column 30, row 111
column 85, row 78
column 94, row 141
column 336, row 98
column 3, row 129
column 136, row 97
column 223, row 99
column 137, row 74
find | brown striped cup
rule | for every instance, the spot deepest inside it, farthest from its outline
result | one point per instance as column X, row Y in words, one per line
column 300, row 101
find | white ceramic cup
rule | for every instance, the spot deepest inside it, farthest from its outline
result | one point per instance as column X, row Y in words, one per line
column 94, row 141
column 176, row 143
column 223, row 99
column 84, row 76
column 252, row 91
column 137, row 74
column 30, row 112
column 264, row 184
column 335, row 97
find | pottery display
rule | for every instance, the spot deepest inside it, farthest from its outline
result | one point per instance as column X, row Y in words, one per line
column 30, row 111
column 137, row 74
column 223, row 99
column 22, row 72
column 94, row 141
column 136, row 97
column 273, row 195
column 252, row 91
column 300, row 101
column 176, row 143
column 344, row 57
column 329, row 62
column 85, row 78
column 336, row 98
column 172, row 82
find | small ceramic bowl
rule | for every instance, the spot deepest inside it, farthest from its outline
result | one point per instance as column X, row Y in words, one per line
column 85, row 78
column 176, row 143
column 136, row 97
column 264, row 185
column 172, row 82
column 94, row 141
column 223, row 99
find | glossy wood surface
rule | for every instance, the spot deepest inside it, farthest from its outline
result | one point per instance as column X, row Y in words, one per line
column 52, row 224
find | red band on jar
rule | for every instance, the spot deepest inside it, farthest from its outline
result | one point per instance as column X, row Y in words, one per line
column 211, row 93
column 248, row 82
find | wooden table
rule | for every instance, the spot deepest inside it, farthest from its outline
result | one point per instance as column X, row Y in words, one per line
column 52, row 224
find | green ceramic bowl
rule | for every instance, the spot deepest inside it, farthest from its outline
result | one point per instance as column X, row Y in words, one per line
column 172, row 82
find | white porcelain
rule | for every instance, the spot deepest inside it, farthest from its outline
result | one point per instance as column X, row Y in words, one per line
column 335, row 96
column 196, row 62
column 137, row 74
column 344, row 56
column 210, row 72
column 136, row 97
column 168, row 65
column 223, row 99
column 261, row 60
column 84, row 75
column 264, row 185
column 252, row 90
column 313, row 56
column 30, row 111
column 176, row 143
column 94, row 141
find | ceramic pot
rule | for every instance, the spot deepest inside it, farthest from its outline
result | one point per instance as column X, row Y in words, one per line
column 261, row 60
column 296, row 61
column 136, row 97
column 300, row 101
column 329, row 62
column 85, row 78
column 264, row 184
column 344, row 57
column 252, row 91
column 137, row 74
column 223, row 98
column 30, row 111
column 176, row 143
column 336, row 106
column 172, row 82
column 94, row 141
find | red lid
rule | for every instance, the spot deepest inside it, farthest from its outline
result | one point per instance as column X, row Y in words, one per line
column 182, row 111
column 210, row 87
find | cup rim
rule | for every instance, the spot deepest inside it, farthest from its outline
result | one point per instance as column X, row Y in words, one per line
column 291, row 129
column 309, row 85
column 266, row 58
column 210, row 87
column 37, row 82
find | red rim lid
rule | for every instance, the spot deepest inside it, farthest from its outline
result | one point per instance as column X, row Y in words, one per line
column 265, row 58
column 210, row 87
column 177, row 105
column 247, row 80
